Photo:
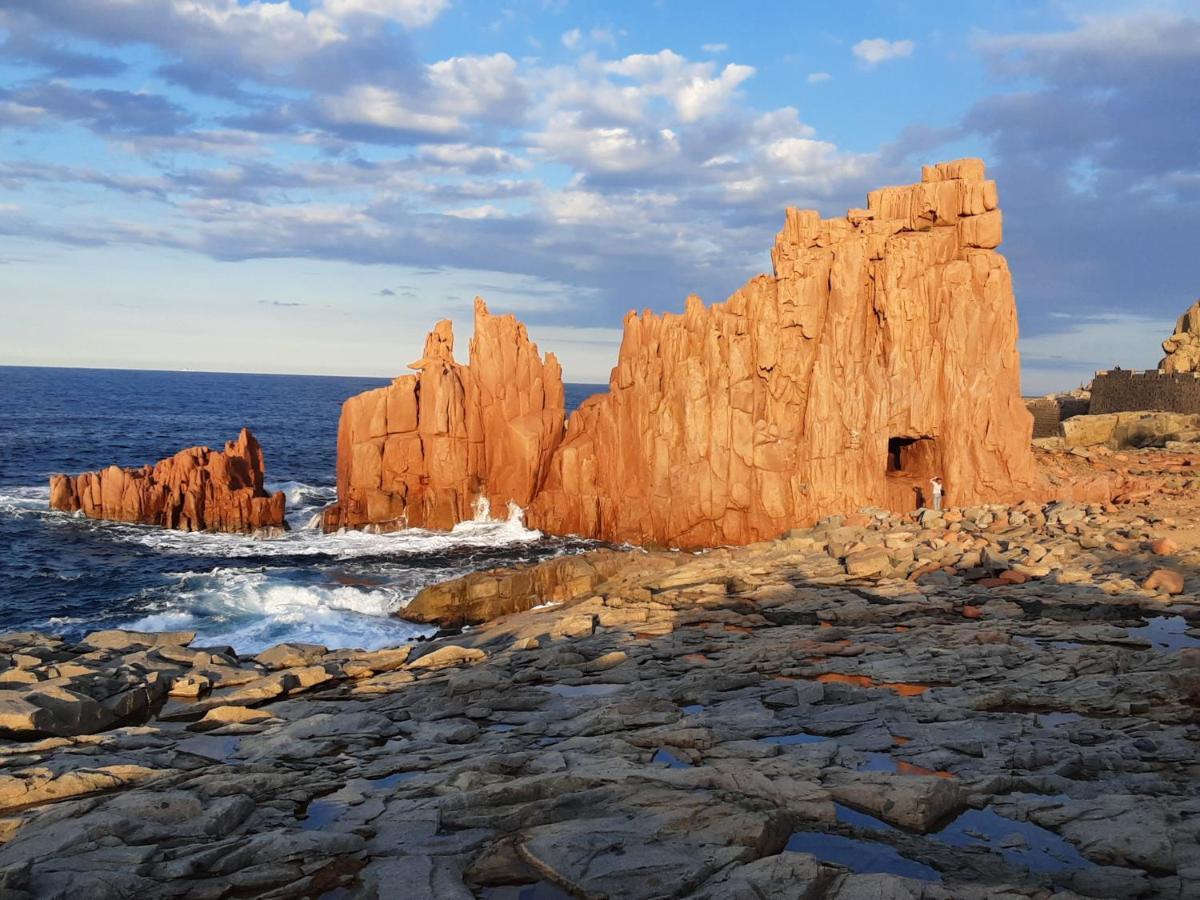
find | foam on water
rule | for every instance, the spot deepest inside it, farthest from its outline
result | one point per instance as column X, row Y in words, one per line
column 478, row 532
column 251, row 610
column 341, row 590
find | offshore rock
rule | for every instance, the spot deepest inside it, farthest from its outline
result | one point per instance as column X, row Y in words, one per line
column 1183, row 346
column 420, row 452
column 197, row 489
column 881, row 352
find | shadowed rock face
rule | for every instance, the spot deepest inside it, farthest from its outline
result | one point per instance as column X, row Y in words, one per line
column 197, row 489
column 880, row 353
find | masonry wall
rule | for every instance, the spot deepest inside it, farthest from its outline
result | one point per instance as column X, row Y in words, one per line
column 1119, row 390
column 1047, row 412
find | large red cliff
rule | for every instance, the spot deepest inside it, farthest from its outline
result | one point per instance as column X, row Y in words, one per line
column 880, row 353
column 197, row 489
column 421, row 451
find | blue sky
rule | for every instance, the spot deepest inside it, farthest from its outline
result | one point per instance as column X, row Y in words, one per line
column 307, row 187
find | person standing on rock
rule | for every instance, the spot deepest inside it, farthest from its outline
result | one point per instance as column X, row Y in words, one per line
column 936, row 483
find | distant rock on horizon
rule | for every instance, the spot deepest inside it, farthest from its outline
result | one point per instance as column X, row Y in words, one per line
column 197, row 489
column 881, row 352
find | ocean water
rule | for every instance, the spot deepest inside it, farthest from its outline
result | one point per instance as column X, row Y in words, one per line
column 68, row 575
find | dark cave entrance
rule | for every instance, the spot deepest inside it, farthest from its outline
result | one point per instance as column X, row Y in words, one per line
column 911, row 462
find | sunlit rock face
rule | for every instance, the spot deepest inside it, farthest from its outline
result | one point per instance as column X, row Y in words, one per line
column 197, row 489
column 1183, row 346
column 424, row 450
column 880, row 353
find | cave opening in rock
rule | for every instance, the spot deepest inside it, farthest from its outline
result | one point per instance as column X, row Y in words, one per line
column 911, row 461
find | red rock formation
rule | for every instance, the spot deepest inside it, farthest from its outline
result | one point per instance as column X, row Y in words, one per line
column 197, row 489
column 421, row 451
column 881, row 352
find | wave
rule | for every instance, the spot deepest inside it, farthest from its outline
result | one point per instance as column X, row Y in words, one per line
column 16, row 501
column 251, row 610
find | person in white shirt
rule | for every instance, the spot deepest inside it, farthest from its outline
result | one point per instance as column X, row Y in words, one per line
column 936, row 483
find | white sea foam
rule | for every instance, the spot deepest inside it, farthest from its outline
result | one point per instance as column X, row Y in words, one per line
column 480, row 532
column 251, row 610
column 18, row 500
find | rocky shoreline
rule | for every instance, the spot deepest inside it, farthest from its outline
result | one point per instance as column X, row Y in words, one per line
column 996, row 701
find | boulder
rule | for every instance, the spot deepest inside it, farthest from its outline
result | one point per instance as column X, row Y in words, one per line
column 197, row 489
column 1182, row 348
column 1125, row 430
column 1166, row 581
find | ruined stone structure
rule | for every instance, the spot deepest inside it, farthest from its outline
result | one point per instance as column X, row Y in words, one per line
column 1121, row 390
column 1048, row 412
column 881, row 352
column 197, row 489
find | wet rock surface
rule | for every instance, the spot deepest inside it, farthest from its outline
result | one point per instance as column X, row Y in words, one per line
column 1000, row 711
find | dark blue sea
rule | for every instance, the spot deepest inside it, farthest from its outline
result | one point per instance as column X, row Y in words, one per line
column 68, row 575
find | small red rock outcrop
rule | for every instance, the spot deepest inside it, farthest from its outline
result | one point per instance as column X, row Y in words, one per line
column 421, row 451
column 881, row 352
column 197, row 489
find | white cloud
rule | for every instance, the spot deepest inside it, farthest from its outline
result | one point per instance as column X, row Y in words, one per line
column 714, row 48
column 485, row 87
column 693, row 88
column 412, row 13
column 571, row 39
column 874, row 51
column 473, row 158
column 607, row 149
column 816, row 77
column 379, row 107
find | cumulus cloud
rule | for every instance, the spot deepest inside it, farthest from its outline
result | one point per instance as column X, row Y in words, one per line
column 873, row 51
column 413, row 13
column 1095, row 158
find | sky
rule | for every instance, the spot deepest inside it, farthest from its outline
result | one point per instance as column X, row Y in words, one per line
column 308, row 186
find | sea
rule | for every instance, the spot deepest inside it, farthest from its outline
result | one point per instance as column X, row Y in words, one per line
column 64, row 574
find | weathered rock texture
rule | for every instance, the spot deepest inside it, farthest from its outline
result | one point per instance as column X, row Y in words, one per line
column 419, row 452
column 880, row 353
column 1183, row 347
column 197, row 489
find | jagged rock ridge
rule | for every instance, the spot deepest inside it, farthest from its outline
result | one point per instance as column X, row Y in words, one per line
column 882, row 351
column 197, row 489
column 421, row 451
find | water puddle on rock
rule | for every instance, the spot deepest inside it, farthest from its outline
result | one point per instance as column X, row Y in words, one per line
column 862, row 857
column 539, row 890
column 583, row 690
column 321, row 813
column 1020, row 843
column 1166, row 633
column 220, row 749
column 800, row 737
column 389, row 781
column 1056, row 719
column 671, row 761
column 692, row 709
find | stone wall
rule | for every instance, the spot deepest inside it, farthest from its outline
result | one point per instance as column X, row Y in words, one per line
column 1120, row 390
column 1047, row 412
